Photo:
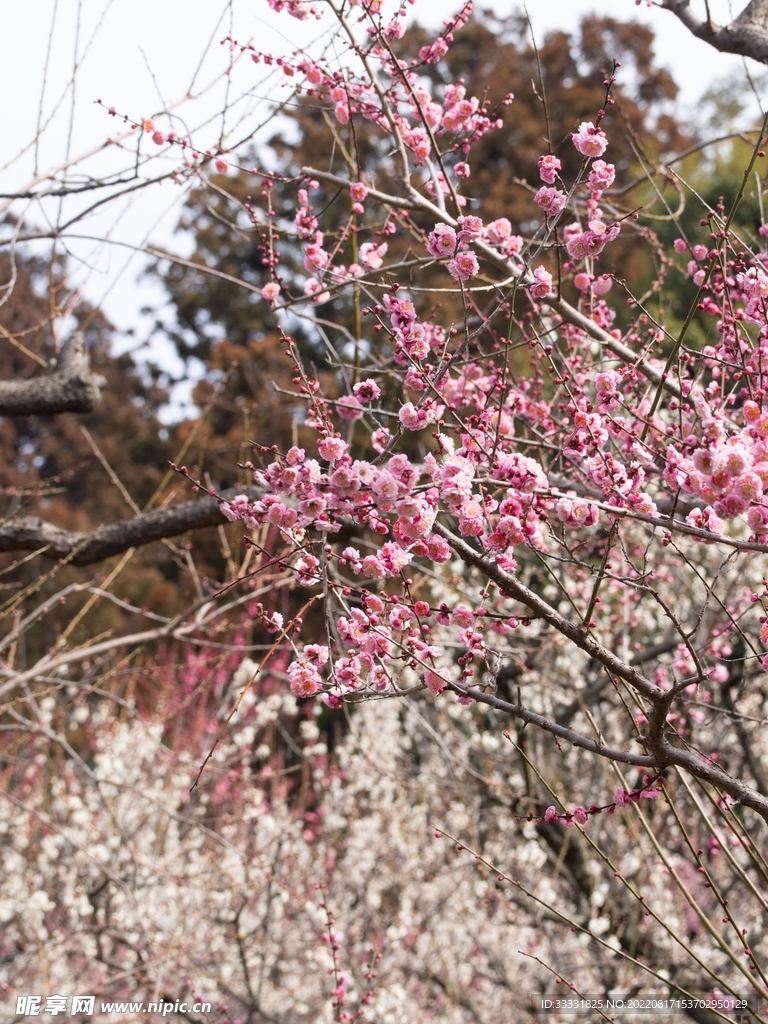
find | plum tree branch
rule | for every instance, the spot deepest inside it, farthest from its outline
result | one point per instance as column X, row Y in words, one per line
column 560, row 731
column 29, row 533
column 746, row 35
column 661, row 750
column 516, row 589
column 71, row 387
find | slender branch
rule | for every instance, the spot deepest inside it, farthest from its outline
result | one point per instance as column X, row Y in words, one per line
column 576, row 632
column 562, row 732
column 374, row 193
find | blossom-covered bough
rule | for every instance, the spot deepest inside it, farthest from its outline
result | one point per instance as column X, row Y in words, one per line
column 582, row 474
column 529, row 477
column 532, row 510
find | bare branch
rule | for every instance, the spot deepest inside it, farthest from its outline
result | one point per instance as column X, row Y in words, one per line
column 26, row 533
column 746, row 35
column 71, row 387
column 562, row 732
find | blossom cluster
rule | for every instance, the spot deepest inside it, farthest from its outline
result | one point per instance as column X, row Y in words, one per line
column 513, row 459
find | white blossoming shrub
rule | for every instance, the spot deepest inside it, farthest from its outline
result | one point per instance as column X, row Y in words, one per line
column 410, row 873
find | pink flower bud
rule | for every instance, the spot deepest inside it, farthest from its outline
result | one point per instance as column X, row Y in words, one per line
column 580, row 816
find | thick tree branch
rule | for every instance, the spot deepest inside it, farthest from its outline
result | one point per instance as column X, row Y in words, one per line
column 30, row 533
column 72, row 387
column 746, row 35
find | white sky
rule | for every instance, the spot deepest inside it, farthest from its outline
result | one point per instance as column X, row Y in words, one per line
column 142, row 55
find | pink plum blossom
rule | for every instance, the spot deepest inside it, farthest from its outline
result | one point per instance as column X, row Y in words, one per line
column 349, row 407
column 371, row 255
column 549, row 168
column 332, row 448
column 601, row 176
column 498, row 232
column 463, row 266
column 304, row 679
column 590, row 141
column 551, row 200
column 367, row 390
column 576, row 512
column 435, row 683
column 542, row 283
column 442, row 241
column 471, row 228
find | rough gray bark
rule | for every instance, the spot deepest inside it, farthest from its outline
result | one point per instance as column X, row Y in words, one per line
column 30, row 533
column 71, row 387
column 746, row 35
